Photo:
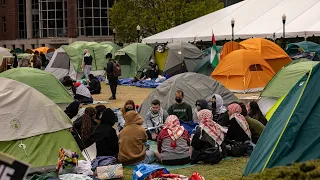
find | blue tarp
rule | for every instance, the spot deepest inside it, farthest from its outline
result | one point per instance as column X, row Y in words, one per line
column 143, row 84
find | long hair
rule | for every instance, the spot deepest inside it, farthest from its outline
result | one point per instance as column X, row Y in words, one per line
column 123, row 110
column 87, row 123
column 255, row 110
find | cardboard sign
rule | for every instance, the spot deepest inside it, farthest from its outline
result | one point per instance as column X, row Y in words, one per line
column 11, row 169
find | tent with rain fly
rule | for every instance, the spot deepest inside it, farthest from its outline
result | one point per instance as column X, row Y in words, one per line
column 282, row 82
column 292, row 134
column 6, row 57
column 133, row 58
column 42, row 81
column 303, row 46
column 312, row 56
column 182, row 57
column 67, row 60
column 33, row 127
column 243, row 71
column 195, row 86
column 275, row 56
column 229, row 47
column 18, row 50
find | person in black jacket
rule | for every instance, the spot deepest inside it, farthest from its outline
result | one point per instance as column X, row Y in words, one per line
column 105, row 135
column 94, row 85
column 219, row 111
column 15, row 61
column 112, row 78
column 73, row 109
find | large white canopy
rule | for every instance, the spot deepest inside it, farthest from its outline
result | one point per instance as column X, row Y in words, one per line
column 253, row 18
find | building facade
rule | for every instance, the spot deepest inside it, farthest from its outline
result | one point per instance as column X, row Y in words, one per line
column 28, row 24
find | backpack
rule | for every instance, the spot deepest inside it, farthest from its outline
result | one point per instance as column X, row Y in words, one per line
column 116, row 68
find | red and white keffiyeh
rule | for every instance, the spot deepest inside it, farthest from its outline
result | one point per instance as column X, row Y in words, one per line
column 235, row 112
column 172, row 125
column 213, row 129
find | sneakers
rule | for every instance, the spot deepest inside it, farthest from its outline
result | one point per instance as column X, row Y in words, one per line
column 112, row 98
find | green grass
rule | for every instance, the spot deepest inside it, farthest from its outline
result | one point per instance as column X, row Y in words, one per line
column 226, row 169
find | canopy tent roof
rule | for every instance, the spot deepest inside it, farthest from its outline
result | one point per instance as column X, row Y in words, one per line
column 264, row 20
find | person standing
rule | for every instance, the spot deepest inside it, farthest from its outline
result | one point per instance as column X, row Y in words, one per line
column 87, row 63
column 112, row 76
column 15, row 61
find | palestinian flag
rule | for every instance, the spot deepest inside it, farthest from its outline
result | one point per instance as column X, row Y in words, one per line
column 214, row 58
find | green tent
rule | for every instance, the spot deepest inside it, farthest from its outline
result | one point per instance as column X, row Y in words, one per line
column 292, row 134
column 23, row 55
column 33, row 127
column 133, row 58
column 204, row 66
column 97, row 51
column 42, row 81
column 286, row 78
column 114, row 45
column 304, row 46
column 18, row 50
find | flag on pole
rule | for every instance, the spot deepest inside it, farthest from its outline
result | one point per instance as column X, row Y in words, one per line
column 214, row 59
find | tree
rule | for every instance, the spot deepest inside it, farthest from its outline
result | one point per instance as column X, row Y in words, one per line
column 155, row 16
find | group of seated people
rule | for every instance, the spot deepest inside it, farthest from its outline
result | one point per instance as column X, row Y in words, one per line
column 219, row 131
column 81, row 92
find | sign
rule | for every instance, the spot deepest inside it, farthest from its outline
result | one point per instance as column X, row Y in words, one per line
column 11, row 169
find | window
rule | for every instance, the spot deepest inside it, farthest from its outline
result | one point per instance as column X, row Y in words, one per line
column 3, row 2
column 4, row 25
column 32, row 46
column 5, row 46
column 22, row 46
column 255, row 67
column 13, row 47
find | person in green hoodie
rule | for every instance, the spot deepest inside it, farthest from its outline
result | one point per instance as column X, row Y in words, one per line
column 181, row 109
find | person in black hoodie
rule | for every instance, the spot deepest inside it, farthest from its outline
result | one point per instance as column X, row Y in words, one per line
column 105, row 135
column 73, row 109
column 94, row 85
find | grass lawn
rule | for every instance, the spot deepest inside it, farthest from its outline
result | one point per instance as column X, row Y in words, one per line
column 226, row 169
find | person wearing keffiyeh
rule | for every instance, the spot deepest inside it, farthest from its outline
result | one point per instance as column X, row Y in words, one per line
column 208, row 140
column 239, row 129
column 173, row 143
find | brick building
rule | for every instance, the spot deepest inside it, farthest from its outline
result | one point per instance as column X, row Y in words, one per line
column 33, row 23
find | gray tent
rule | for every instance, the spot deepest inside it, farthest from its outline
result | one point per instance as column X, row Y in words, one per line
column 182, row 57
column 195, row 86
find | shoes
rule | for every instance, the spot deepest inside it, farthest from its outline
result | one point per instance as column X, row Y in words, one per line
column 112, row 98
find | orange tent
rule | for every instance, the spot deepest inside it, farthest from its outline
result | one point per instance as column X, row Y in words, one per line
column 243, row 71
column 229, row 47
column 44, row 50
column 275, row 56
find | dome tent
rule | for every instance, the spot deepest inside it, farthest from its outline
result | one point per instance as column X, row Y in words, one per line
column 292, row 134
column 30, row 118
column 195, row 86
column 182, row 57
column 42, row 81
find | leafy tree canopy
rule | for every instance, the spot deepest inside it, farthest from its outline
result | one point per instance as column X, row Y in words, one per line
column 154, row 16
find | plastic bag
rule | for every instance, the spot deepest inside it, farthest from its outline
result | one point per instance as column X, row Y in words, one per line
column 84, row 167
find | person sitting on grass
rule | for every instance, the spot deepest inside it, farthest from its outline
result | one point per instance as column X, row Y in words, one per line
column 80, row 92
column 105, row 135
column 207, row 143
column 73, row 109
column 219, row 111
column 132, row 150
column 94, row 85
column 84, row 126
column 181, row 109
column 100, row 109
column 256, row 127
column 200, row 105
column 239, row 129
column 128, row 106
column 255, row 112
column 155, row 119
column 173, row 143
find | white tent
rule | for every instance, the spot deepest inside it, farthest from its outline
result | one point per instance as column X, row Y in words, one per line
column 253, row 18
